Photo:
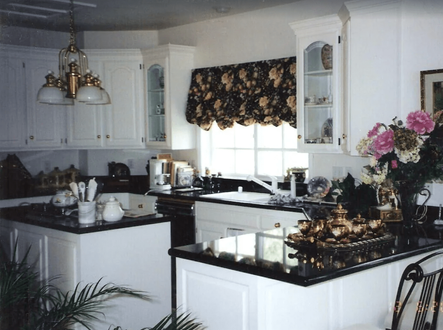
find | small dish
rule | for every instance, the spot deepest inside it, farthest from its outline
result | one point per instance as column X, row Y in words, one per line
column 319, row 187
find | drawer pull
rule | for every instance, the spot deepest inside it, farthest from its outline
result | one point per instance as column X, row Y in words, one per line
column 277, row 225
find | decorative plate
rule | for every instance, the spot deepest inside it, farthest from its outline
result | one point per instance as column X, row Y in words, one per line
column 326, row 130
column 319, row 187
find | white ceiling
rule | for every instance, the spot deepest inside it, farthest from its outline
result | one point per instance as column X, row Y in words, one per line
column 121, row 15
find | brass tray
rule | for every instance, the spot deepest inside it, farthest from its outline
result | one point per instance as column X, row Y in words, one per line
column 354, row 245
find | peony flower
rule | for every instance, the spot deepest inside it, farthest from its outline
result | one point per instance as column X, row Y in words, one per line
column 384, row 143
column 420, row 122
column 374, row 130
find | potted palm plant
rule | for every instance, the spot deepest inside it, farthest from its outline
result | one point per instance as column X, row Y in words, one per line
column 28, row 304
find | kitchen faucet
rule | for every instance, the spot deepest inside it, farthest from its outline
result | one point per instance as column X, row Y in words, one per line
column 273, row 189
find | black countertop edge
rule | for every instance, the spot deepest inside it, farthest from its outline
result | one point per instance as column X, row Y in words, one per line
column 71, row 225
column 294, row 279
column 194, row 253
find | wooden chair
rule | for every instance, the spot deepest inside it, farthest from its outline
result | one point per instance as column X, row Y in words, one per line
column 418, row 301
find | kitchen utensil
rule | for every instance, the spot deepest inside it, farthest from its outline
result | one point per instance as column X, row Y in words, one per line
column 74, row 188
column 81, row 191
column 99, row 189
column 92, row 189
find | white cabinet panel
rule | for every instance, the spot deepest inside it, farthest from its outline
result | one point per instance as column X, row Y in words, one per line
column 115, row 125
column 13, row 103
column 45, row 123
column 177, row 62
column 123, row 117
column 214, row 221
column 319, row 71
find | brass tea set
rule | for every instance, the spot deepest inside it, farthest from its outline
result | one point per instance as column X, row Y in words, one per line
column 337, row 230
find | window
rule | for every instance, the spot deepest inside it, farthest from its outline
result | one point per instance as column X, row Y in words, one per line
column 257, row 150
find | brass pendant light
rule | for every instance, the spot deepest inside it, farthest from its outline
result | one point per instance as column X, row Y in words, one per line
column 75, row 80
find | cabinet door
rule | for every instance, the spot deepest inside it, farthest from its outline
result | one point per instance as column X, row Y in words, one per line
column 123, row 123
column 319, row 84
column 34, row 241
column 62, row 262
column 13, row 103
column 84, row 121
column 167, row 79
column 45, row 122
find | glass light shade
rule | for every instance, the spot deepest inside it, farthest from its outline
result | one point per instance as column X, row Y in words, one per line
column 89, row 94
column 105, row 99
column 50, row 95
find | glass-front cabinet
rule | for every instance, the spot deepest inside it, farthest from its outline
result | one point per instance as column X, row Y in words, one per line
column 319, row 114
column 168, row 70
column 156, row 103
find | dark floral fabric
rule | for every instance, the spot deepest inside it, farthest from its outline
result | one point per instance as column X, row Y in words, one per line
column 258, row 92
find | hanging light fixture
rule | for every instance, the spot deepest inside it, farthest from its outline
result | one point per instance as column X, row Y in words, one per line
column 75, row 80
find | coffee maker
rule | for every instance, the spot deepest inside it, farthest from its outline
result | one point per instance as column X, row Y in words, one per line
column 159, row 174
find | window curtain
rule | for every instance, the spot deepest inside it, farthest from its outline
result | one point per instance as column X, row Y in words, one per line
column 261, row 92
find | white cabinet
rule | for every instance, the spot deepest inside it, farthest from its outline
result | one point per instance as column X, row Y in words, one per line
column 372, row 72
column 45, row 123
column 136, row 257
column 254, row 302
column 214, row 221
column 25, row 122
column 30, row 125
column 12, row 105
column 167, row 80
column 319, row 112
column 119, row 124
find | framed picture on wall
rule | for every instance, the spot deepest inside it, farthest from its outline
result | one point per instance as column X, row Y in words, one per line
column 431, row 90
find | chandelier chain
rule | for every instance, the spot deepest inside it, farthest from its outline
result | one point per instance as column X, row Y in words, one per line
column 71, row 24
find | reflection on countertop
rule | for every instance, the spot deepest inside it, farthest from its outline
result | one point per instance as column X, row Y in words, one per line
column 268, row 254
column 45, row 215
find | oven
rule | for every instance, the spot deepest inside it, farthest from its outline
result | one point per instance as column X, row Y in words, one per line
column 182, row 213
column 183, row 219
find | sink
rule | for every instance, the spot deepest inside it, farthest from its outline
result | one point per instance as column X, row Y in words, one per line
column 240, row 196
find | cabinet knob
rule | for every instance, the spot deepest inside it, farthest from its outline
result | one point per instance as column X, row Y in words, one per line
column 31, row 137
column 99, row 136
column 108, row 136
column 344, row 136
column 277, row 225
column 299, row 137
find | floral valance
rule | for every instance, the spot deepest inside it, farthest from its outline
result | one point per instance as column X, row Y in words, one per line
column 261, row 92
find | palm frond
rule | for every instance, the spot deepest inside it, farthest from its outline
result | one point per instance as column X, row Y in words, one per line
column 81, row 305
column 178, row 322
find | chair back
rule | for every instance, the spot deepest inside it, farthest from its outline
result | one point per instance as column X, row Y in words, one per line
column 419, row 292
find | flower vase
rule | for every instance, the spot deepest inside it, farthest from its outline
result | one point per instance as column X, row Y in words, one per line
column 408, row 194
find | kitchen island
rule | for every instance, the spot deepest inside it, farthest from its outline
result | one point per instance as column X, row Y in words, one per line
column 258, row 281
column 130, row 252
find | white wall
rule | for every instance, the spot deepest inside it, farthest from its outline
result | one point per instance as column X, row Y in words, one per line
column 258, row 35
column 120, row 40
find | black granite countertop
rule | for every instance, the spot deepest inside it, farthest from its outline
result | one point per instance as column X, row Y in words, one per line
column 266, row 254
column 312, row 210
column 33, row 215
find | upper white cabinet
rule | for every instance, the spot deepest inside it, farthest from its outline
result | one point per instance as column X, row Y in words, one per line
column 119, row 124
column 26, row 123
column 45, row 123
column 319, row 68
column 12, row 105
column 372, row 71
column 167, row 80
column 29, row 125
